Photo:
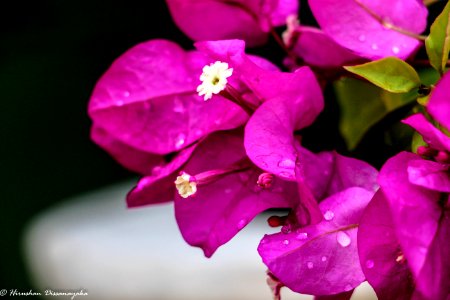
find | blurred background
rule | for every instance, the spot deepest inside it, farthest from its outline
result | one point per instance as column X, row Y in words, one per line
column 51, row 55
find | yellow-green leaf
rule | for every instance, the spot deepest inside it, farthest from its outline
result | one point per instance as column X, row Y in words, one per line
column 390, row 73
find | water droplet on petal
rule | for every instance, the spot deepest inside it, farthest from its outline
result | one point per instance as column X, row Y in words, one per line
column 242, row 224
column 362, row 38
column 198, row 132
column 180, row 140
column 286, row 242
column 324, row 258
column 328, row 215
column 156, row 170
column 285, row 174
column 343, row 239
column 178, row 106
column 395, row 50
column 119, row 103
column 126, row 94
column 286, row 163
column 374, row 46
column 302, row 236
column 369, row 264
column 310, row 265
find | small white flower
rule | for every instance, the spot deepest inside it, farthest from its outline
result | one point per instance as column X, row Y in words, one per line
column 214, row 79
column 186, row 185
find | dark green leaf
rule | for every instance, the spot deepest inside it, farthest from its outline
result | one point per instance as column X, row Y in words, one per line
column 363, row 105
column 438, row 42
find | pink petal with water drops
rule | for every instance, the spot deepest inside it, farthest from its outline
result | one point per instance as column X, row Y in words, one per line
column 416, row 211
column 380, row 253
column 158, row 186
column 353, row 27
column 429, row 174
column 219, row 210
column 320, row 259
column 431, row 135
column 317, row 49
column 248, row 20
column 269, row 134
column 439, row 104
column 131, row 158
column 147, row 99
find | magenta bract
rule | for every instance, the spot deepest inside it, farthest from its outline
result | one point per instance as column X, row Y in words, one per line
column 362, row 26
column 147, row 99
column 222, row 208
column 320, row 259
column 249, row 20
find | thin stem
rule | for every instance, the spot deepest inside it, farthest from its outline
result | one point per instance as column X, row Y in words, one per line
column 283, row 46
column 389, row 25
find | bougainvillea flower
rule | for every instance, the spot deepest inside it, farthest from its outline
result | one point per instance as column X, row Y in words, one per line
column 221, row 208
column 373, row 29
column 249, row 20
column 317, row 49
column 148, row 101
column 320, row 259
column 158, row 186
column 421, row 219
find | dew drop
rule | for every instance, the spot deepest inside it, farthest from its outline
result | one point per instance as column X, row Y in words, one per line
column 126, row 94
column 302, row 236
column 286, row 242
column 241, row 224
column 310, row 265
column 369, row 264
column 328, row 215
column 324, row 258
column 286, row 163
column 156, row 170
column 285, row 174
column 180, row 140
column 395, row 50
column 178, row 106
column 374, row 46
column 343, row 239
column 119, row 103
column 362, row 38
column 198, row 132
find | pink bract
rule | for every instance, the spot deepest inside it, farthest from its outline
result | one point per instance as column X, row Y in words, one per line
column 320, row 259
column 357, row 25
column 249, row 20
column 439, row 104
column 147, row 99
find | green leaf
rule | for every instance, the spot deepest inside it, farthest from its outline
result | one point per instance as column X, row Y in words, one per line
column 417, row 141
column 438, row 42
column 363, row 105
column 390, row 73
